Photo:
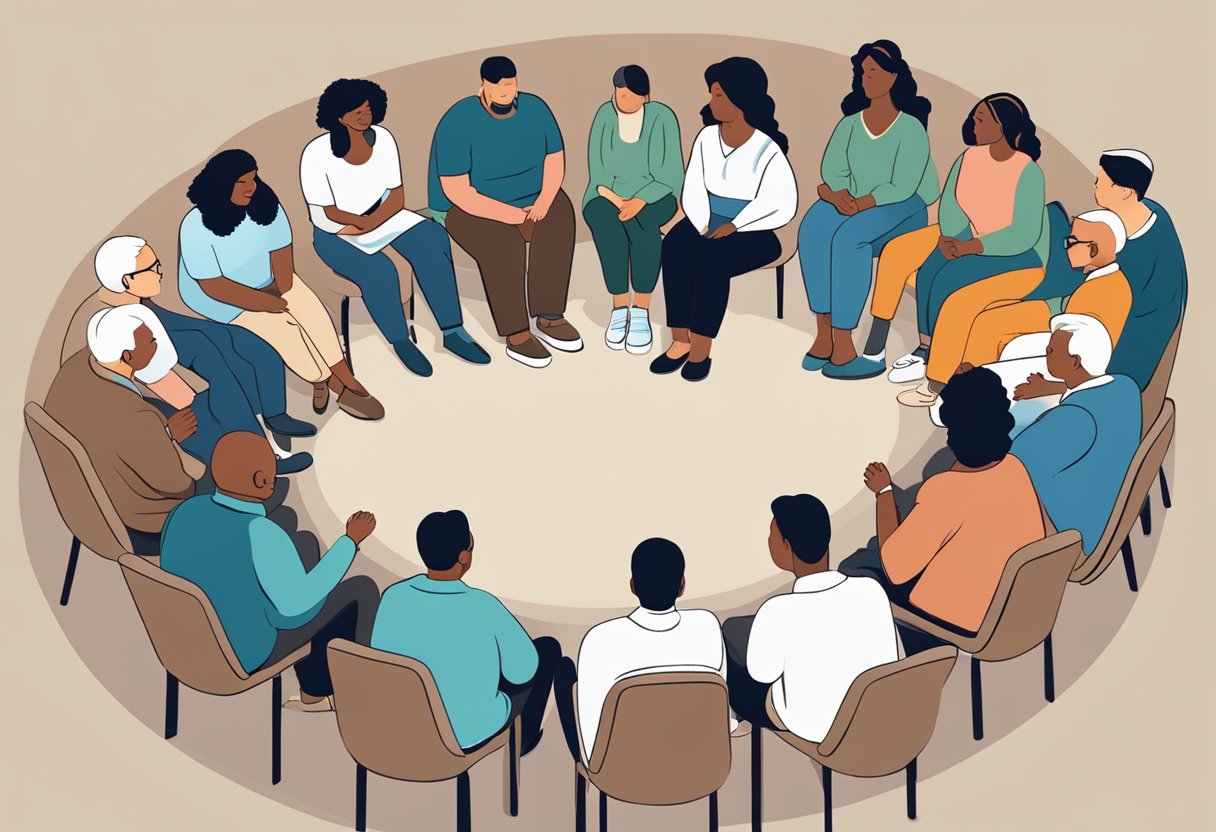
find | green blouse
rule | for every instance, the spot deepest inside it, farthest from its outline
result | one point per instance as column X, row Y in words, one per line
column 1031, row 227
column 890, row 167
column 649, row 169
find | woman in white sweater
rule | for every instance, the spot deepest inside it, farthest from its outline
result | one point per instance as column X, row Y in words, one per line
column 738, row 189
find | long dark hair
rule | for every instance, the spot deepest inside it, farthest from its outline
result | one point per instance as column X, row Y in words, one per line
column 746, row 85
column 889, row 57
column 340, row 98
column 211, row 193
column 1015, row 121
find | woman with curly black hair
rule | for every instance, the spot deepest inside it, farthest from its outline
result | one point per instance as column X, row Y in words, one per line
column 236, row 267
column 738, row 189
column 992, row 221
column 878, row 178
column 351, row 177
column 946, row 556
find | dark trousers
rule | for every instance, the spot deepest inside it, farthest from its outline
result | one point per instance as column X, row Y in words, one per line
column 747, row 696
column 530, row 699
column 697, row 272
column 520, row 278
column 563, row 696
column 630, row 250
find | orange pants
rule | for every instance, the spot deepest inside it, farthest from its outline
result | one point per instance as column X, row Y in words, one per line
column 897, row 268
column 995, row 328
column 958, row 324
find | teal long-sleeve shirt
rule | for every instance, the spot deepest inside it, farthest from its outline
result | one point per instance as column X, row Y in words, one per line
column 467, row 639
column 1029, row 229
column 249, row 569
column 649, row 169
column 890, row 167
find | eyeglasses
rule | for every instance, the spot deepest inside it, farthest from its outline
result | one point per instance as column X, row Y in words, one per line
column 1071, row 241
column 155, row 267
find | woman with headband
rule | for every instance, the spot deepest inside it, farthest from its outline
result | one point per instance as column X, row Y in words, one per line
column 992, row 223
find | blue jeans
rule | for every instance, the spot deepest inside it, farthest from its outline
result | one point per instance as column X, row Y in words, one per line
column 939, row 278
column 215, row 418
column 428, row 250
column 836, row 253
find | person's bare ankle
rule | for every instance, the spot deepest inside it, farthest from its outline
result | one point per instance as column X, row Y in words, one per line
column 309, row 699
column 519, row 338
column 678, row 349
column 336, row 386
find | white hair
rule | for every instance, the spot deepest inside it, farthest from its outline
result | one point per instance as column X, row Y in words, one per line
column 112, row 331
column 1139, row 155
column 1112, row 221
column 115, row 259
column 1088, row 340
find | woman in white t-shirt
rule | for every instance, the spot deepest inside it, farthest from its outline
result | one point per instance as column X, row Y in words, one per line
column 351, row 178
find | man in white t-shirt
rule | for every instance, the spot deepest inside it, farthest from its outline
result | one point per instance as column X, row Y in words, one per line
column 807, row 645
column 654, row 638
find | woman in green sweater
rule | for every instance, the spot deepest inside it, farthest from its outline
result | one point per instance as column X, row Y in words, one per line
column 636, row 168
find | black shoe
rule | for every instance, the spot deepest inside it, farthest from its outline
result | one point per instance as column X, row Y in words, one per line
column 696, row 370
column 531, row 746
column 285, row 425
column 293, row 464
column 663, row 365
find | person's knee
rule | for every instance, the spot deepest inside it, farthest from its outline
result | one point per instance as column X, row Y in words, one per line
column 363, row 589
column 600, row 211
column 433, row 236
column 548, row 649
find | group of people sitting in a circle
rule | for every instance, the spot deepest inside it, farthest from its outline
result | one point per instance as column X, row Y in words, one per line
column 1016, row 302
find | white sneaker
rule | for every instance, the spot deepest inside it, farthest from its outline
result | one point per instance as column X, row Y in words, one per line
column 911, row 367
column 640, row 336
column 614, row 336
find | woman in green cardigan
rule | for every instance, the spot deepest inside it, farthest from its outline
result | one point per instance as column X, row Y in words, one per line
column 636, row 168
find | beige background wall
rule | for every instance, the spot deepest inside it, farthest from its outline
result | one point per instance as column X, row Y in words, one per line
column 107, row 101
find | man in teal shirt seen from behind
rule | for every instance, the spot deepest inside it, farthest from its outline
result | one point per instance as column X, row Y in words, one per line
column 486, row 666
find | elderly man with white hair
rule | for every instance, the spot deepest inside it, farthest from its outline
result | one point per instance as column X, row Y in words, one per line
column 244, row 374
column 133, row 448
column 1078, row 453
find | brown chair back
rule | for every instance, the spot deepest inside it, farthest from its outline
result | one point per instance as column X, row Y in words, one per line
column 1152, row 399
column 391, row 717
column 184, row 629
column 83, row 504
column 676, row 723
column 1141, row 474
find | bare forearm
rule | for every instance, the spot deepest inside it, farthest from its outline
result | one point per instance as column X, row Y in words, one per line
column 886, row 516
column 283, row 267
column 554, row 173
column 173, row 390
column 479, row 205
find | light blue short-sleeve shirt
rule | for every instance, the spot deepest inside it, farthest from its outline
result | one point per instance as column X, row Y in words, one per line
column 243, row 257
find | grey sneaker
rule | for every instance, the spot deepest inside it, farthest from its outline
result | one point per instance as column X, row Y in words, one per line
column 640, row 337
column 530, row 352
column 614, row 336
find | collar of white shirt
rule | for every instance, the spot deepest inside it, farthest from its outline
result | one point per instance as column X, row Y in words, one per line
column 656, row 621
column 819, row 582
column 1105, row 270
column 1148, row 223
column 1096, row 381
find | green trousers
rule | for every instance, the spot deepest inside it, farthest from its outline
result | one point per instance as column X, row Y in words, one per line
column 631, row 248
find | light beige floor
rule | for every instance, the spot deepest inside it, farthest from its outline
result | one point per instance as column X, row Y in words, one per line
column 1137, row 724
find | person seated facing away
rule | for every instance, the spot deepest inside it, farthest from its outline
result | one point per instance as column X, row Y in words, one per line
column 237, row 266
column 809, row 644
column 351, row 176
column 273, row 591
column 495, row 180
column 1152, row 261
column 231, row 360
column 738, row 189
column 946, row 557
column 1078, row 453
column 634, row 171
column 654, row 638
column 135, row 451
column 488, row 670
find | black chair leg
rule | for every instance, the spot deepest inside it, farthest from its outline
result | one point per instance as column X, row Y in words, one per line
column 346, row 332
column 781, row 291
column 911, row 772
column 413, row 291
column 713, row 812
column 757, row 778
column 276, row 730
column 513, row 772
column 171, row 686
column 977, row 701
column 580, row 803
column 70, row 575
column 827, row 799
column 1165, row 489
column 1146, row 516
column 360, row 798
column 464, row 803
column 603, row 812
column 1129, row 564
column 1049, row 670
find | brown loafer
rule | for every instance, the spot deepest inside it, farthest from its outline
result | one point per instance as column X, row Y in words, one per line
column 531, row 353
column 559, row 334
column 320, row 397
column 361, row 406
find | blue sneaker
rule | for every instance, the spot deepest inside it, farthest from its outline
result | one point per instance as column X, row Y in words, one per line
column 859, row 368
column 461, row 344
column 813, row 363
column 412, row 358
column 640, row 337
column 614, row 335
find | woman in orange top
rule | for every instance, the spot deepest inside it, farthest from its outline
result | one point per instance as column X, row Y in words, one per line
column 945, row 558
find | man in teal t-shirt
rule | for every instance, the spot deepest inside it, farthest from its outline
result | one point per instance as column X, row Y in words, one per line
column 495, row 181
column 486, row 666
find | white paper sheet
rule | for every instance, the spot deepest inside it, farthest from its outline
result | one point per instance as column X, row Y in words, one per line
column 385, row 233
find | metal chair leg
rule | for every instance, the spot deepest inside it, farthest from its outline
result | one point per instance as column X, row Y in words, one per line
column 1165, row 489
column 70, row 575
column 413, row 293
column 345, row 314
column 580, row 803
column 1049, row 671
column 713, row 812
column 827, row 799
column 911, row 772
column 171, row 686
column 977, row 701
column 1129, row 564
column 781, row 291
column 513, row 770
column 1146, row 516
column 757, row 778
column 464, row 803
column 603, row 812
column 276, row 730
column 360, row 798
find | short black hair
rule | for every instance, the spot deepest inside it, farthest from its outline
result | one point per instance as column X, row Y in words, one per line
column 442, row 536
column 633, row 78
column 497, row 67
column 975, row 411
column 804, row 522
column 658, row 569
column 1127, row 172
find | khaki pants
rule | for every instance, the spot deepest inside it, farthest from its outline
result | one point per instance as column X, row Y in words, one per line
column 304, row 335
